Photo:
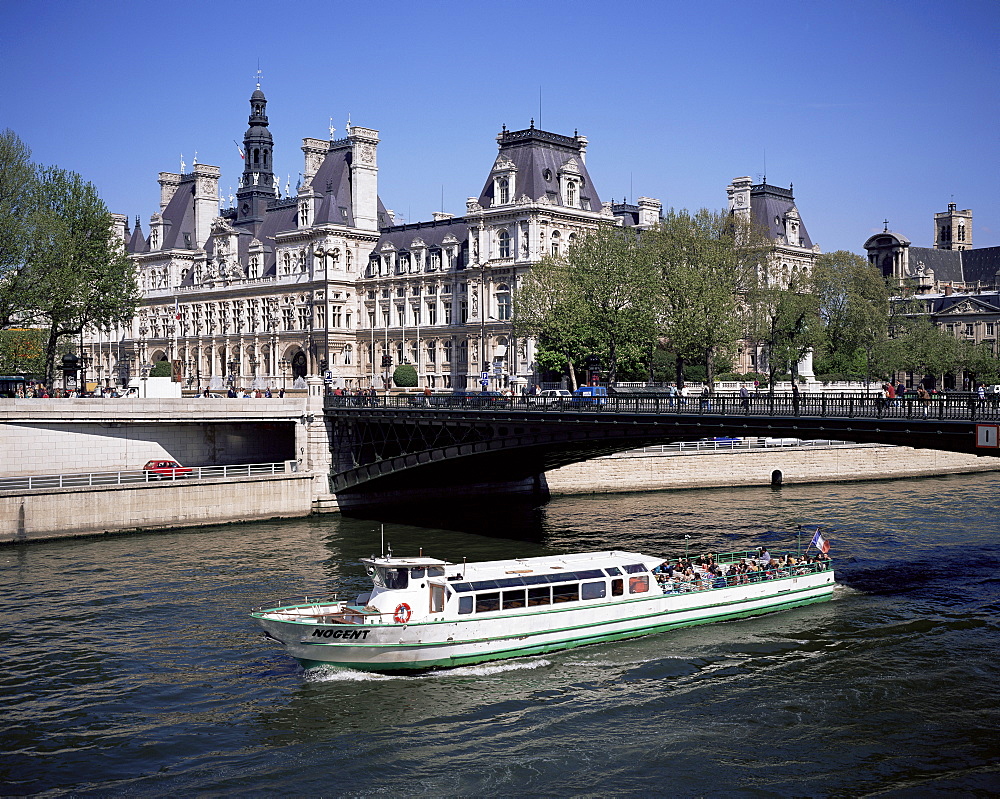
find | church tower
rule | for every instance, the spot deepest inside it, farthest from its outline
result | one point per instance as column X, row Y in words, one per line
column 953, row 229
column 257, row 184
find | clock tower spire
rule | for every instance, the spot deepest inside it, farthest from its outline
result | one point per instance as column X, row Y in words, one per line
column 257, row 186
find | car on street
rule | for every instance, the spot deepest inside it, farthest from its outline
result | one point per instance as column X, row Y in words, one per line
column 551, row 396
column 166, row 470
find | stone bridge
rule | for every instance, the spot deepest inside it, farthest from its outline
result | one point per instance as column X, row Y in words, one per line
column 401, row 450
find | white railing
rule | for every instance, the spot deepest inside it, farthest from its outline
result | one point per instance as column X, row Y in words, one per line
column 31, row 482
column 730, row 445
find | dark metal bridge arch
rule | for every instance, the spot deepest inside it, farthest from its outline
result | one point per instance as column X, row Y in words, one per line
column 404, row 449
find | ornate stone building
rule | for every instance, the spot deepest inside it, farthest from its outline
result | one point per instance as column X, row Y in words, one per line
column 267, row 289
column 950, row 264
column 773, row 210
column 954, row 285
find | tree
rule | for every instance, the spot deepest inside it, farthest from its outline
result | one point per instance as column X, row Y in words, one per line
column 597, row 299
column 74, row 272
column 708, row 262
column 550, row 307
column 854, row 308
column 788, row 324
column 22, row 352
column 920, row 346
column 405, row 376
column 16, row 189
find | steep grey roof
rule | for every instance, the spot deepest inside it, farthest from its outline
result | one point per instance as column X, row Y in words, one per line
column 178, row 217
column 332, row 182
column 989, row 301
column 769, row 206
column 947, row 264
column 533, row 152
column 137, row 242
column 981, row 265
column 432, row 233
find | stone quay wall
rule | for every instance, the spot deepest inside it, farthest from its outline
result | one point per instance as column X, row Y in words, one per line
column 654, row 470
column 67, row 512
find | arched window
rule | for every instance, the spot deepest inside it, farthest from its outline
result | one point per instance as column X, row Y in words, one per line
column 571, row 193
column 348, row 354
column 256, row 156
column 503, row 191
column 350, row 261
column 504, row 304
column 503, row 244
column 555, row 242
column 431, row 351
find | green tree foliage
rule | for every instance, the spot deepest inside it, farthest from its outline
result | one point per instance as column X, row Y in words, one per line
column 787, row 324
column 16, row 181
column 72, row 272
column 980, row 361
column 161, row 369
column 551, row 307
column 405, row 376
column 919, row 346
column 708, row 262
column 597, row 299
column 22, row 352
column 854, row 308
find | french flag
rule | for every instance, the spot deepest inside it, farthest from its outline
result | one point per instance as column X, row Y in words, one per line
column 821, row 543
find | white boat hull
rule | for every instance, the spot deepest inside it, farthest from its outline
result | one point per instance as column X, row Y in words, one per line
column 474, row 639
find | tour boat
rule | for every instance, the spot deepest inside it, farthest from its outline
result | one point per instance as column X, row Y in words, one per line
column 424, row 613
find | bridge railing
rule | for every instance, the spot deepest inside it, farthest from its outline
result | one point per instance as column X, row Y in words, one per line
column 30, row 482
column 940, row 407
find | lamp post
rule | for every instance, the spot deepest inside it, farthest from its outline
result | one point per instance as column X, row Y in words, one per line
column 283, row 365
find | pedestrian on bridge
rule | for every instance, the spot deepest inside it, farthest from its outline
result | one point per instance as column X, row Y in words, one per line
column 744, row 398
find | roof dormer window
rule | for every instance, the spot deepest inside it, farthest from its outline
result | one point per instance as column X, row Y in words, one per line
column 503, row 191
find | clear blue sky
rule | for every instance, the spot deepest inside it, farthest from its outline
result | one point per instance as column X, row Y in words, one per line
column 873, row 110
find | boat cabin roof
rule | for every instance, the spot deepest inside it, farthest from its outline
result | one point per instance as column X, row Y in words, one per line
column 404, row 563
column 554, row 564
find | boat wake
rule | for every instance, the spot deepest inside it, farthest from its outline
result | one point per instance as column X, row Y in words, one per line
column 333, row 674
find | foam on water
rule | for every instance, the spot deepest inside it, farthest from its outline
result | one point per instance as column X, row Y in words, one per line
column 338, row 674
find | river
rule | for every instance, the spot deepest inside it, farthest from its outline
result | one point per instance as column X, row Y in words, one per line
column 130, row 665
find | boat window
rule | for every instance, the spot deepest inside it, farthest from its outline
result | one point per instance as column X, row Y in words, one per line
column 638, row 585
column 534, row 579
column 613, row 571
column 596, row 590
column 417, row 574
column 461, row 588
column 435, row 571
column 539, row 596
column 482, row 585
column 509, row 582
column 617, row 587
column 465, row 604
column 487, row 602
column 392, row 578
column 557, row 578
column 566, row 593
column 513, row 599
column 634, row 568
column 589, row 574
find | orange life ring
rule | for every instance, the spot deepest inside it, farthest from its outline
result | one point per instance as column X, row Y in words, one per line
column 402, row 614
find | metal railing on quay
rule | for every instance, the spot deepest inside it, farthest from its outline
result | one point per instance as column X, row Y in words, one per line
column 838, row 405
column 31, row 482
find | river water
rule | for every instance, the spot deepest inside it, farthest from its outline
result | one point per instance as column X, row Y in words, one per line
column 130, row 665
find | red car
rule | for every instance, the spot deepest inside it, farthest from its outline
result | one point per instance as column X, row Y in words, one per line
column 165, row 470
